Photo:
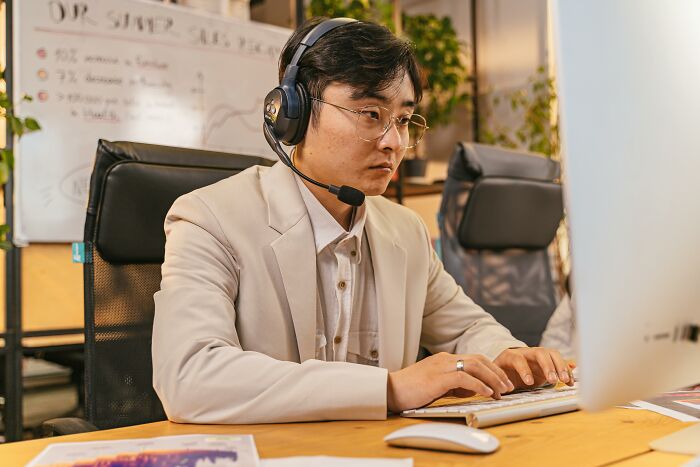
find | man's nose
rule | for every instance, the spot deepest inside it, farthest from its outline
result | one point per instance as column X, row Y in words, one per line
column 391, row 140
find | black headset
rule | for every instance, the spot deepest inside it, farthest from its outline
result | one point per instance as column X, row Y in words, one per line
column 288, row 109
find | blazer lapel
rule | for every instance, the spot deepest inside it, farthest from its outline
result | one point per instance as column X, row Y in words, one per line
column 295, row 253
column 389, row 264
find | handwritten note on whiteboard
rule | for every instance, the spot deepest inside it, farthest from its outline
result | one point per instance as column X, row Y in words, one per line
column 129, row 70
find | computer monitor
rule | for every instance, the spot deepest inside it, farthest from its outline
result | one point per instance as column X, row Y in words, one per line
column 628, row 75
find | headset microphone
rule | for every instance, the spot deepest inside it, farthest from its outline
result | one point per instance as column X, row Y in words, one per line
column 346, row 194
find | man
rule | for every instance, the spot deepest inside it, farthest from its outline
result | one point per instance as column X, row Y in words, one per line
column 281, row 303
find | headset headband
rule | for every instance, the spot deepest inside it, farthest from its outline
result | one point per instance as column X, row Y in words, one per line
column 309, row 40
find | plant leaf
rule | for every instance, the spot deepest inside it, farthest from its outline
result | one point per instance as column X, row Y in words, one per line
column 15, row 125
column 9, row 157
column 31, row 124
column 4, row 172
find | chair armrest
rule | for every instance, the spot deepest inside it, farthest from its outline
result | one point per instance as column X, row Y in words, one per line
column 65, row 426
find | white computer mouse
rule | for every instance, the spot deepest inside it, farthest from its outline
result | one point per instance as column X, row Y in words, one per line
column 443, row 437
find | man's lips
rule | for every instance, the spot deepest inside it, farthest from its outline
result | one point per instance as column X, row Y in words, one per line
column 383, row 165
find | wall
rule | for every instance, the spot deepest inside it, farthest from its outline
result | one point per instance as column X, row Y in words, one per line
column 52, row 292
column 277, row 12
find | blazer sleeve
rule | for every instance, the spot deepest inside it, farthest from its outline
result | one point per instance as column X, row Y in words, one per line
column 452, row 322
column 200, row 372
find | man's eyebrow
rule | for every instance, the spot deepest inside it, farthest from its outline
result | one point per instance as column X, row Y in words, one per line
column 379, row 97
column 369, row 95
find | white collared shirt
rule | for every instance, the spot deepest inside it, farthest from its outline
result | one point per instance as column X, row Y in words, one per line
column 346, row 305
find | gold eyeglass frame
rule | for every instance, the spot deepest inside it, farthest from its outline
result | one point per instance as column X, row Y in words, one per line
column 392, row 119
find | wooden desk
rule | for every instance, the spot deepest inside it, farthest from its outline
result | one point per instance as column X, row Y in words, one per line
column 575, row 439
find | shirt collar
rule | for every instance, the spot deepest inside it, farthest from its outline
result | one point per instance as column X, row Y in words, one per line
column 326, row 229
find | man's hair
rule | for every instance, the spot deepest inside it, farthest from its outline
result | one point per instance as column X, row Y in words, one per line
column 363, row 55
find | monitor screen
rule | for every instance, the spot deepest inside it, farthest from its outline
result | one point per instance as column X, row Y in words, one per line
column 628, row 75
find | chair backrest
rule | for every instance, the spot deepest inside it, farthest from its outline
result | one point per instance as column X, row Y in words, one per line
column 131, row 189
column 498, row 218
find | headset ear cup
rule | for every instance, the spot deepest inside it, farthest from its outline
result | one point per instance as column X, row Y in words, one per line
column 276, row 114
column 304, row 115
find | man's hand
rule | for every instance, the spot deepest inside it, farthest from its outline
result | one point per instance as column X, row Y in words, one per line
column 533, row 366
column 437, row 376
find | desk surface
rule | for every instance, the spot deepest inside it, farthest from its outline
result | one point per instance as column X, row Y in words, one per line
column 617, row 435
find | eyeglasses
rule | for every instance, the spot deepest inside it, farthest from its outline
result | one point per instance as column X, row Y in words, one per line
column 373, row 121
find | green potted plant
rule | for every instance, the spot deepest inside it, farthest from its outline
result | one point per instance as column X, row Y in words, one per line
column 19, row 126
column 538, row 130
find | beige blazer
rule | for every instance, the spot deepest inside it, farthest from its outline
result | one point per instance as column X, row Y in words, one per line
column 234, row 336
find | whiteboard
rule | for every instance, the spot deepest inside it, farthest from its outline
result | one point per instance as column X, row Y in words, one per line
column 129, row 70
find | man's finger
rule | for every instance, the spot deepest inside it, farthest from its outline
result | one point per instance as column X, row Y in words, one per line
column 488, row 376
column 508, row 384
column 561, row 367
column 464, row 380
column 505, row 385
column 519, row 363
column 544, row 360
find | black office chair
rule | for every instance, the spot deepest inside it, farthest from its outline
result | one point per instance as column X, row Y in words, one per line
column 498, row 218
column 131, row 189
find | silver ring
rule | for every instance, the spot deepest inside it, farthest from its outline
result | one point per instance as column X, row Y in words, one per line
column 460, row 365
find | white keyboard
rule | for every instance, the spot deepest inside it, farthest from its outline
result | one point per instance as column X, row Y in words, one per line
column 511, row 407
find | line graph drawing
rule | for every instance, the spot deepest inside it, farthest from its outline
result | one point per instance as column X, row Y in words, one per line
column 236, row 121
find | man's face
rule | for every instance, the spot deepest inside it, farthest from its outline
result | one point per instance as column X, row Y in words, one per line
column 333, row 153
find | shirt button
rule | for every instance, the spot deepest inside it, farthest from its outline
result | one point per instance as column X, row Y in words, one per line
column 338, row 339
column 353, row 253
column 374, row 354
column 341, row 285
